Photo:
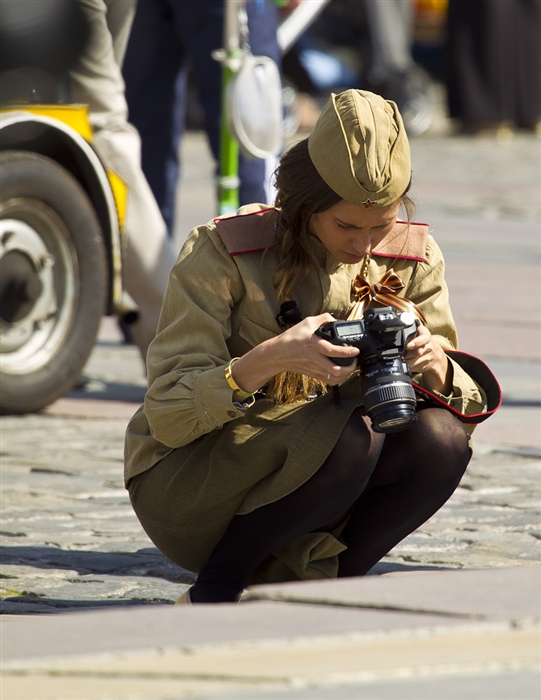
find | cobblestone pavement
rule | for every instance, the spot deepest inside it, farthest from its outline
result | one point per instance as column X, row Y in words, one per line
column 69, row 538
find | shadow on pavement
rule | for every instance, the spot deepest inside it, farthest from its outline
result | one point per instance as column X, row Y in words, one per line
column 144, row 562
column 32, row 604
column 521, row 403
column 109, row 391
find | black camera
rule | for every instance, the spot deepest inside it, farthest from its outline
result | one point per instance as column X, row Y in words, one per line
column 381, row 336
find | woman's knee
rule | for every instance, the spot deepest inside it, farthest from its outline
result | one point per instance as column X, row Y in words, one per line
column 441, row 430
column 435, row 450
column 444, row 440
column 353, row 457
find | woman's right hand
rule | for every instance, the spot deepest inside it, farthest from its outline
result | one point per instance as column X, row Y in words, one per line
column 297, row 350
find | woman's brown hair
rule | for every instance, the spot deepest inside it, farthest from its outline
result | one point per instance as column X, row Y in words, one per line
column 301, row 192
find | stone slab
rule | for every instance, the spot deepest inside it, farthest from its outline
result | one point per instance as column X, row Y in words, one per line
column 482, row 594
column 286, row 611
column 174, row 663
column 146, row 627
column 491, row 685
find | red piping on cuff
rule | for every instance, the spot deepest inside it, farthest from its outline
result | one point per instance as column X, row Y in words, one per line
column 482, row 374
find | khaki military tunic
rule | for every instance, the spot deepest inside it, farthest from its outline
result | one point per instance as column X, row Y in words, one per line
column 203, row 458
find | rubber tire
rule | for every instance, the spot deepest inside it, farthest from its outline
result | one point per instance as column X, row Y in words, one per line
column 31, row 183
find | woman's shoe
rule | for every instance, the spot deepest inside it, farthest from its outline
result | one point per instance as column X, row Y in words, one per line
column 184, row 598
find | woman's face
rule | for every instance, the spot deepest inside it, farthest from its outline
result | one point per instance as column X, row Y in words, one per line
column 350, row 232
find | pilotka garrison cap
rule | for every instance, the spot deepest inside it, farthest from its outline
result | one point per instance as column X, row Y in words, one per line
column 360, row 148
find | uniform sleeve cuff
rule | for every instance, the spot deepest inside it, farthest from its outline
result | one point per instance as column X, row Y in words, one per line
column 214, row 398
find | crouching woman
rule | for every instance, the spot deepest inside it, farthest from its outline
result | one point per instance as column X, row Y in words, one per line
column 245, row 464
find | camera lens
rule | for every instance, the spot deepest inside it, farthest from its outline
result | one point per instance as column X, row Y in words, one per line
column 389, row 397
column 393, row 418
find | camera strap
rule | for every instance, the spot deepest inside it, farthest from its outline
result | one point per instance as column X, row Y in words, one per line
column 289, row 314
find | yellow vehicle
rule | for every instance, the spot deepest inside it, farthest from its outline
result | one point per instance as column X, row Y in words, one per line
column 61, row 241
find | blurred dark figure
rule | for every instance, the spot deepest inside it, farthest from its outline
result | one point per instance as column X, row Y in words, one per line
column 494, row 64
column 46, row 34
column 169, row 37
column 39, row 41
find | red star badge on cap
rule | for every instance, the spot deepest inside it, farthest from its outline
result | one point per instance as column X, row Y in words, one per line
column 368, row 203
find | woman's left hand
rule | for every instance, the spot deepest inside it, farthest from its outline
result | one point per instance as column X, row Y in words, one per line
column 424, row 355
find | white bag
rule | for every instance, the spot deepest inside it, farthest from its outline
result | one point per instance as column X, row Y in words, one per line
column 254, row 107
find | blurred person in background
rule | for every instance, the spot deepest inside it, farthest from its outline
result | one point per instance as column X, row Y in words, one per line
column 169, row 38
column 366, row 44
column 96, row 80
column 494, row 65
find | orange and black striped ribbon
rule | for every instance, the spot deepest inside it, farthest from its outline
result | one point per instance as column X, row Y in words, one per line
column 383, row 293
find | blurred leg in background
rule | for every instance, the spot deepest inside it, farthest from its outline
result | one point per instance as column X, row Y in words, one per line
column 494, row 64
column 97, row 81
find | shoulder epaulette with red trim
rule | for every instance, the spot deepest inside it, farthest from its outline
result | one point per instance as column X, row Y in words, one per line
column 405, row 240
column 248, row 233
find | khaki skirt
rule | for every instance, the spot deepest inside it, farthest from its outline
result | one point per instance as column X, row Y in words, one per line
column 186, row 501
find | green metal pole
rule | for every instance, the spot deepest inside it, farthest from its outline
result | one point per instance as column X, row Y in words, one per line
column 228, row 184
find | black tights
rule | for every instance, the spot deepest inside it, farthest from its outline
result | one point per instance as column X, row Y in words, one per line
column 389, row 484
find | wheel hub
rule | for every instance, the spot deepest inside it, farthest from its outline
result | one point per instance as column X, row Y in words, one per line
column 20, row 286
column 28, row 299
